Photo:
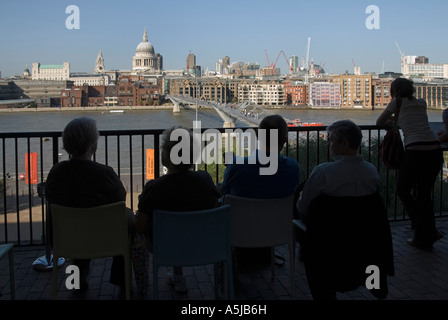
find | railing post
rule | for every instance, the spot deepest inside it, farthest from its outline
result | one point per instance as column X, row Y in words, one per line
column 55, row 149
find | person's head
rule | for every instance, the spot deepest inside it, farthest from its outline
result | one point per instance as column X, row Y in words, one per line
column 177, row 149
column 80, row 137
column 274, row 122
column 344, row 138
column 402, row 88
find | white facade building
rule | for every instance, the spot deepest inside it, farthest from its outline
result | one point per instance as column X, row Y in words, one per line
column 261, row 93
column 412, row 68
column 50, row 72
column 80, row 79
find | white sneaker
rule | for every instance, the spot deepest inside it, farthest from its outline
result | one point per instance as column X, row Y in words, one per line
column 178, row 282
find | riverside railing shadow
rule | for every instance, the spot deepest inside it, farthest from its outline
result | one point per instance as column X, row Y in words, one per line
column 135, row 156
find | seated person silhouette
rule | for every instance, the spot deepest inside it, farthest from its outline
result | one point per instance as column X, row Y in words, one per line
column 246, row 178
column 255, row 177
column 81, row 182
column 347, row 228
column 180, row 189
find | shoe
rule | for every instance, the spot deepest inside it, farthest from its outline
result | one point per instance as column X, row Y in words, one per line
column 178, row 282
column 422, row 246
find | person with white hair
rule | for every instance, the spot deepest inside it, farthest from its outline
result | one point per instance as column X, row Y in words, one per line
column 81, row 182
column 180, row 189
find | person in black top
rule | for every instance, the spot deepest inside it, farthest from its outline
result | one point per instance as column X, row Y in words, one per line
column 180, row 189
column 82, row 183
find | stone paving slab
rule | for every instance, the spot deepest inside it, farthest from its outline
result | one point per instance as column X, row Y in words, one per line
column 419, row 275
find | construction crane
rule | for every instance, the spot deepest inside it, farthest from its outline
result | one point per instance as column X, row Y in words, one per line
column 307, row 53
column 286, row 59
column 269, row 63
column 273, row 64
column 321, row 67
column 401, row 52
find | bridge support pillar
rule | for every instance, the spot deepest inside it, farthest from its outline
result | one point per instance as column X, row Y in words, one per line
column 228, row 124
column 176, row 107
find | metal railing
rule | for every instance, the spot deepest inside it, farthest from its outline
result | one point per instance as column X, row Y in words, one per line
column 22, row 210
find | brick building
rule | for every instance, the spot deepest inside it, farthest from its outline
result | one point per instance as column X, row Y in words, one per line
column 295, row 93
column 381, row 92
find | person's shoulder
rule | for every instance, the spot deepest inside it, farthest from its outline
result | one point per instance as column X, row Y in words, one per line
column 60, row 165
column 239, row 162
column 369, row 164
column 289, row 162
column 103, row 167
column 58, row 168
column 421, row 101
column 201, row 174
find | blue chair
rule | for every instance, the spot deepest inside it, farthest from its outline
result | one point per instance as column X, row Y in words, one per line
column 193, row 238
column 4, row 249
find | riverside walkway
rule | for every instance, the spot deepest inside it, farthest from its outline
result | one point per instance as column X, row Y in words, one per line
column 419, row 275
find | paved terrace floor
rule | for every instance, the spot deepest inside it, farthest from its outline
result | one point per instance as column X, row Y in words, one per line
column 419, row 275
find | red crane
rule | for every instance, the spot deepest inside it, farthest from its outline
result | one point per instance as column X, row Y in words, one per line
column 287, row 62
column 276, row 60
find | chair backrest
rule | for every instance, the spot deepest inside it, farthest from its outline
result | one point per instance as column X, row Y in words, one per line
column 191, row 237
column 256, row 223
column 83, row 233
column 348, row 233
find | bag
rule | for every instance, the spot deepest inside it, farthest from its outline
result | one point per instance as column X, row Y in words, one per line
column 392, row 148
column 140, row 262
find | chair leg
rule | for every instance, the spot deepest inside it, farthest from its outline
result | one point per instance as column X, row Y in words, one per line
column 155, row 282
column 55, row 277
column 11, row 274
column 272, row 263
column 292, row 266
column 216, row 276
column 229, row 277
column 128, row 277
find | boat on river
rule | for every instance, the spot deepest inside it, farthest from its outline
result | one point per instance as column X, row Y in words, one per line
column 298, row 123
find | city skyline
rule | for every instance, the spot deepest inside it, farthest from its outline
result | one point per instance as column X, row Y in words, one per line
column 244, row 31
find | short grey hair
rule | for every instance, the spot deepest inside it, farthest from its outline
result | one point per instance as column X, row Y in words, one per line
column 346, row 129
column 168, row 144
column 80, row 136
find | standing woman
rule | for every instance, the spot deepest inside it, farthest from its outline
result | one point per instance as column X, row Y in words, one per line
column 422, row 163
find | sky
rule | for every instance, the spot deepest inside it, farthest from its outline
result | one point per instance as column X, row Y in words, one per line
column 254, row 31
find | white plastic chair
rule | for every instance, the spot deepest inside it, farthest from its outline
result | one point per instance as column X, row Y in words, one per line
column 192, row 238
column 88, row 233
column 258, row 223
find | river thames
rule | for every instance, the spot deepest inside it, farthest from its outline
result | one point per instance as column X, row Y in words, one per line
column 164, row 118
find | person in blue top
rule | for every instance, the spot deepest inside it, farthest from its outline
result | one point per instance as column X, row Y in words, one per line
column 265, row 174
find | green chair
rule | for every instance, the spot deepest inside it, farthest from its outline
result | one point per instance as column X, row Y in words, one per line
column 88, row 233
column 4, row 249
